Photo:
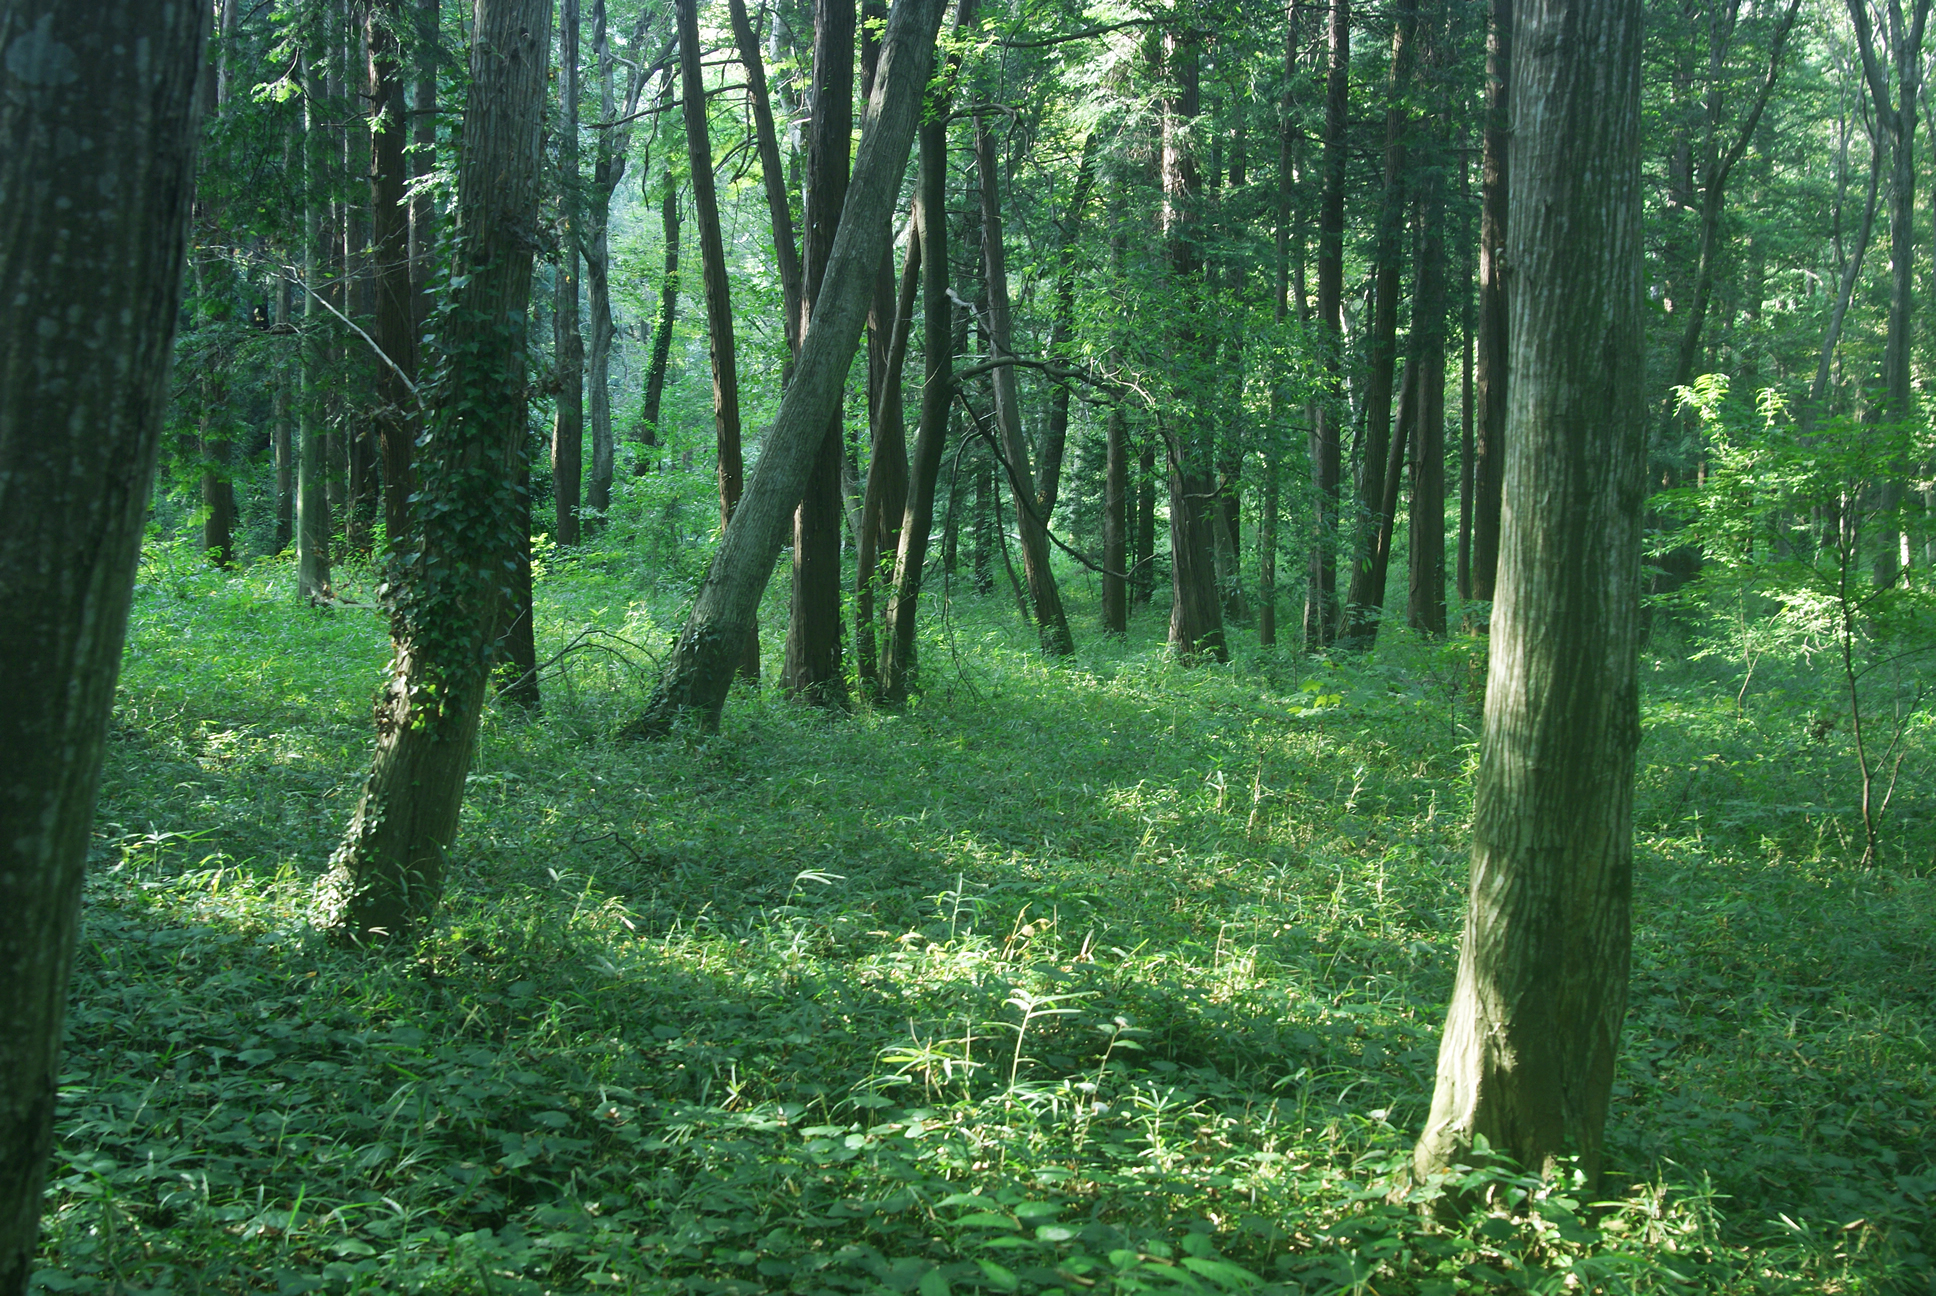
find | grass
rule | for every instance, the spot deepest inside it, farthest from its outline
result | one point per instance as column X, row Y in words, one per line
column 1104, row 977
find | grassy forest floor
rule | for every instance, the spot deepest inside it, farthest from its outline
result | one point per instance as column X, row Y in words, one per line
column 1103, row 977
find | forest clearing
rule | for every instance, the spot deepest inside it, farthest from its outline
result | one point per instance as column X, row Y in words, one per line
column 662, row 647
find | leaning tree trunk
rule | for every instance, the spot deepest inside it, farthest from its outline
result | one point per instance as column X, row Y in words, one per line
column 385, row 879
column 719, row 300
column 1051, row 622
column 700, row 670
column 84, row 359
column 1527, row 1059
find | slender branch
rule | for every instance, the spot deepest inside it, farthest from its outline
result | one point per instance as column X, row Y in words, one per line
column 294, row 276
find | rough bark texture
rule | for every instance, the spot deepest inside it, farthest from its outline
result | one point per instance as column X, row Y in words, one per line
column 95, row 185
column 700, row 670
column 1490, row 376
column 1045, row 599
column 1527, row 1059
column 812, row 669
column 384, row 880
column 719, row 298
column 1320, row 596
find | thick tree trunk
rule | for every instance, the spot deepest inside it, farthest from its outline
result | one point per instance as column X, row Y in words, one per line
column 1045, row 599
column 395, row 326
column 96, row 181
column 1490, row 377
column 385, row 879
column 1321, row 591
column 1364, row 604
column 700, row 670
column 719, row 302
column 812, row 669
column 1528, row 1054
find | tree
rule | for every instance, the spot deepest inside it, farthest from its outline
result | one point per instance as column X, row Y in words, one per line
column 385, row 879
column 96, row 180
column 1489, row 374
column 568, row 342
column 1527, row 1058
column 700, row 669
column 1321, row 590
column 396, row 322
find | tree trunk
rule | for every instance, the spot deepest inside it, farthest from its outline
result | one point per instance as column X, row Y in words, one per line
column 898, row 659
column 884, row 505
column 1425, row 609
column 1490, row 378
column 91, row 250
column 812, row 669
column 385, row 879
column 1051, row 622
column 395, row 326
column 779, row 208
column 1466, row 339
column 283, row 432
column 655, row 374
column 568, row 343
column 423, row 162
column 313, row 529
column 1116, row 495
column 1143, row 573
column 1527, row 1059
column 1196, row 605
column 1061, row 329
column 1321, row 593
column 700, row 669
column 514, row 643
column 719, row 302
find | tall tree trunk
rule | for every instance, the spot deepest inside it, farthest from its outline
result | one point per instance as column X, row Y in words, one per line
column 884, row 505
column 313, row 529
column 1116, row 495
column 700, row 669
column 362, row 441
column 1466, row 339
column 217, row 451
column 779, row 208
column 385, row 879
column 1491, row 375
column 1051, row 622
column 719, row 302
column 1425, row 609
column 84, row 360
column 812, row 669
column 423, row 159
column 568, row 342
column 655, row 372
column 283, row 430
column 1196, row 607
column 898, row 660
column 1321, row 597
column 395, row 329
column 1527, row 1059
column 514, row 642
column 1143, row 572
column 1062, row 326
column 1364, row 604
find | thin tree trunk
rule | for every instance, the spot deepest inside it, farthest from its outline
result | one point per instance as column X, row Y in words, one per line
column 1528, row 1054
column 1491, row 375
column 1466, row 339
column 608, row 167
column 655, row 373
column 423, row 160
column 719, row 303
column 884, row 504
column 1116, row 494
column 313, row 528
column 1051, row 622
column 1061, row 329
column 395, row 328
column 779, row 209
column 1321, row 593
column 514, row 644
column 84, row 360
column 700, row 669
column 568, row 343
column 812, row 669
column 385, row 879
column 1143, row 574
column 1364, row 604
column 218, row 488
column 1425, row 608
column 283, row 431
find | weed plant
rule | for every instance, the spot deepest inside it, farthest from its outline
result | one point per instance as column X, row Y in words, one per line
column 1112, row 976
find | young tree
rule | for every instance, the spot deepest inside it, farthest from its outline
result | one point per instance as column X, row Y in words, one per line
column 385, row 879
column 700, row 670
column 1527, row 1058
column 95, row 185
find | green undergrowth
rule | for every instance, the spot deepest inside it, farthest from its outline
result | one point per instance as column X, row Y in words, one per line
column 1111, row 976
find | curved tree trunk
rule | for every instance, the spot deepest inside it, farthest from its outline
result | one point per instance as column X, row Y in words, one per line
column 1527, row 1059
column 84, row 360
column 385, row 879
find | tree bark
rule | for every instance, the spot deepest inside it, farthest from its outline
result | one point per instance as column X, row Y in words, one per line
column 423, row 160
column 779, row 208
column 884, row 503
column 812, row 669
column 1527, row 1059
column 1321, row 592
column 719, row 302
column 1491, row 376
column 96, row 182
column 313, row 529
column 395, row 325
column 1425, row 608
column 385, row 879
column 1045, row 599
column 655, row 373
column 700, row 669
column 283, row 431
column 568, row 342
